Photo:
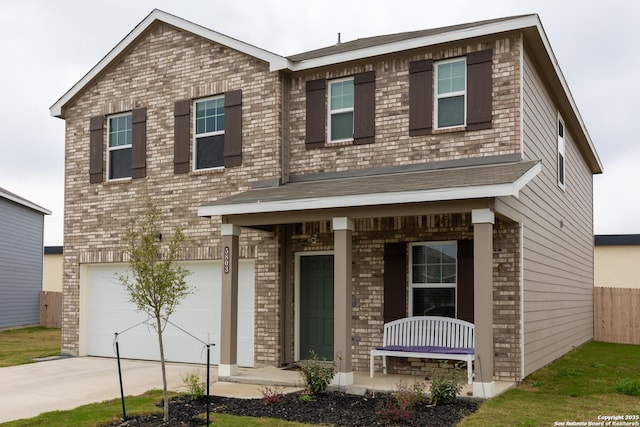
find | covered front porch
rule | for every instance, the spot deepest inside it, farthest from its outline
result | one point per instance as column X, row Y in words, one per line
column 357, row 219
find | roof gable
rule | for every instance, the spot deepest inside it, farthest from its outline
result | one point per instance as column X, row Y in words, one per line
column 7, row 195
column 276, row 62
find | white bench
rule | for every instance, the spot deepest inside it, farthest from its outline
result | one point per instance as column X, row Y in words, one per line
column 427, row 337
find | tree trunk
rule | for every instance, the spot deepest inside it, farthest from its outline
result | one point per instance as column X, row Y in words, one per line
column 165, row 395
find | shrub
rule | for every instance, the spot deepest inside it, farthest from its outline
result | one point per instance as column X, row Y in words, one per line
column 445, row 386
column 396, row 407
column 392, row 412
column 628, row 386
column 271, row 395
column 195, row 386
column 316, row 374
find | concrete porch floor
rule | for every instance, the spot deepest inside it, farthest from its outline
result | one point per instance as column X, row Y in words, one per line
column 362, row 383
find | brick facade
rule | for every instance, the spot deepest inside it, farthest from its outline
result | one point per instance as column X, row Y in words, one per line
column 166, row 65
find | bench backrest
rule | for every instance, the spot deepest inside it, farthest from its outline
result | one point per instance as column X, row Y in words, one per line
column 429, row 331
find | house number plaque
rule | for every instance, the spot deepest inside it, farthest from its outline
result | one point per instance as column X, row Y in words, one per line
column 226, row 260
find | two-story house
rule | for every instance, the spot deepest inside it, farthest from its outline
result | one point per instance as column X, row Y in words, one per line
column 440, row 172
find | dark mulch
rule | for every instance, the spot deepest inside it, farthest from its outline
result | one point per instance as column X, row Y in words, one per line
column 331, row 408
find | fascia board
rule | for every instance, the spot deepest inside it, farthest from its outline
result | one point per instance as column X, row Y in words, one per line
column 471, row 192
column 449, row 36
column 24, row 203
column 276, row 62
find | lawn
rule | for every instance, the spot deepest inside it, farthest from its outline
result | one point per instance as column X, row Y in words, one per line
column 597, row 379
column 19, row 346
column 577, row 388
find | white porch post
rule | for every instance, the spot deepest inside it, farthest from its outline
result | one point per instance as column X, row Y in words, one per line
column 342, row 290
column 483, row 220
column 229, row 302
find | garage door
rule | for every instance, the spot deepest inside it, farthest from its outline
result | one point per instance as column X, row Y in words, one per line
column 107, row 310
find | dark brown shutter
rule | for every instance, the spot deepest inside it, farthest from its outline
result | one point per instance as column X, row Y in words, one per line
column 420, row 97
column 465, row 280
column 182, row 136
column 316, row 116
column 96, row 149
column 233, row 128
column 364, row 106
column 139, row 143
column 479, row 92
column 395, row 281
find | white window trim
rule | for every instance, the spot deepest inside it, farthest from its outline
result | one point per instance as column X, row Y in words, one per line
column 120, row 147
column 194, row 146
column 413, row 285
column 450, row 94
column 561, row 153
column 331, row 112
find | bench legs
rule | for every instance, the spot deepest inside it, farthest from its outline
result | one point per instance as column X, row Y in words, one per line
column 372, row 364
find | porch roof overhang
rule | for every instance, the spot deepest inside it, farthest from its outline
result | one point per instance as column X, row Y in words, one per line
column 273, row 205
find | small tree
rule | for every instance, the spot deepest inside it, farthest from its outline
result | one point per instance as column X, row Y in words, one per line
column 157, row 284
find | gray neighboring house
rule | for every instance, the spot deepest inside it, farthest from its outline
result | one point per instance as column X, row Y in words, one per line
column 21, row 243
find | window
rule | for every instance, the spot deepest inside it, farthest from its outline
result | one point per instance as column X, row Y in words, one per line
column 561, row 153
column 341, row 109
column 451, row 82
column 119, row 147
column 433, row 279
column 208, row 148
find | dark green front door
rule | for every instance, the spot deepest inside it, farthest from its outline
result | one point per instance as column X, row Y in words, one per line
column 316, row 306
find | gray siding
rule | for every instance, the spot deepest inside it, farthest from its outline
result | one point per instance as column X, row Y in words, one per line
column 21, row 234
column 557, row 235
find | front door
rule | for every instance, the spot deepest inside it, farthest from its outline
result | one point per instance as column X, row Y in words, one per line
column 316, row 306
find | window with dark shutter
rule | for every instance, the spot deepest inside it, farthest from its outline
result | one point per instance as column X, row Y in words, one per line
column 420, row 97
column 233, row 128
column 96, row 149
column 479, row 90
column 395, row 281
column 316, row 113
column 139, row 143
column 182, row 133
column 364, row 108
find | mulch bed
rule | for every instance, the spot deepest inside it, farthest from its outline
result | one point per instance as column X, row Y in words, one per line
column 332, row 408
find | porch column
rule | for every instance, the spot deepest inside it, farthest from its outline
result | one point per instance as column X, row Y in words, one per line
column 342, row 229
column 229, row 302
column 483, row 220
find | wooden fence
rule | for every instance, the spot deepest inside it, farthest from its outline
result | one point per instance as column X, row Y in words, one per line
column 51, row 309
column 616, row 314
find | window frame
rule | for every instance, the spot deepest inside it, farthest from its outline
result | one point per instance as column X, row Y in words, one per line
column 118, row 147
column 331, row 112
column 413, row 285
column 196, row 135
column 438, row 96
column 561, row 162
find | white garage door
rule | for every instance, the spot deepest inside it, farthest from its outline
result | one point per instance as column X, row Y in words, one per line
column 108, row 310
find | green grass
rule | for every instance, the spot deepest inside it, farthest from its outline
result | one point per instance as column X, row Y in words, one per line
column 596, row 379
column 19, row 346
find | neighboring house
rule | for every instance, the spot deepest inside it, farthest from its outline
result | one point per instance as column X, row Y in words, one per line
column 52, row 269
column 616, row 258
column 21, row 236
column 329, row 192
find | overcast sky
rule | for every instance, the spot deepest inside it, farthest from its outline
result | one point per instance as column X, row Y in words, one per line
column 47, row 46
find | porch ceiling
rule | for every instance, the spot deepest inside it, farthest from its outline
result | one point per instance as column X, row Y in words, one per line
column 473, row 183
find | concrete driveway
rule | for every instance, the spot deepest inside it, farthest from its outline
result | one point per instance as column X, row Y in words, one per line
column 28, row 390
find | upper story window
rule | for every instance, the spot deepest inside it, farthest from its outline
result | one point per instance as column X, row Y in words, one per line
column 208, row 148
column 561, row 153
column 451, row 83
column 433, row 279
column 119, row 146
column 455, row 93
column 340, row 110
column 341, row 100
